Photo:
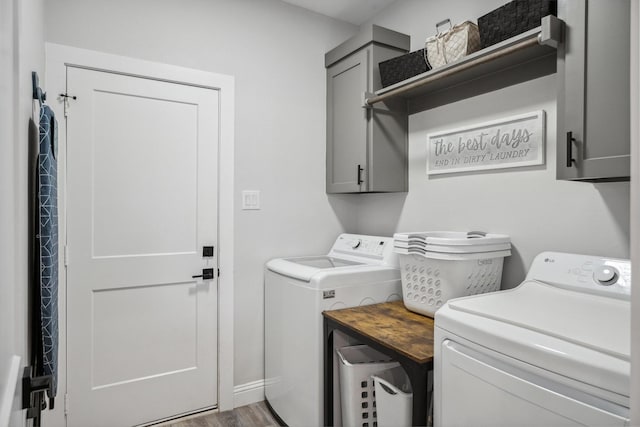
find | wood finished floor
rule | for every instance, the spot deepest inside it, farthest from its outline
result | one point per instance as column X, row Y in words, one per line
column 254, row 415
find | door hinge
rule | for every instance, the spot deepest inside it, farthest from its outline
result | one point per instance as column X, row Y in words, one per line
column 66, row 256
column 66, row 404
column 218, row 272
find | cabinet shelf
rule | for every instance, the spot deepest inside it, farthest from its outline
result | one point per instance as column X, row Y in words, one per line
column 537, row 44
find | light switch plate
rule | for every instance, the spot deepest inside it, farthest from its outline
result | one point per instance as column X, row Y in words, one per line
column 250, row 200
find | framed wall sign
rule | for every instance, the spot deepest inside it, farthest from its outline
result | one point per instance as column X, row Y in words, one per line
column 505, row 143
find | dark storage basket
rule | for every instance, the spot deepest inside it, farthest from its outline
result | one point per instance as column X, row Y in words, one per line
column 402, row 67
column 512, row 19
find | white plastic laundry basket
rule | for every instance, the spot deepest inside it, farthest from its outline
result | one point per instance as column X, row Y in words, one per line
column 357, row 394
column 438, row 266
column 450, row 242
column 394, row 398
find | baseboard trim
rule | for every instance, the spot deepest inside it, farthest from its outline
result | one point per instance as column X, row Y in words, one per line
column 245, row 394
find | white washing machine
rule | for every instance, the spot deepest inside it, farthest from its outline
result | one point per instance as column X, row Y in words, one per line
column 359, row 270
column 552, row 352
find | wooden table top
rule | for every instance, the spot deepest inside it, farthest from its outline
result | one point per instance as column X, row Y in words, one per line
column 391, row 325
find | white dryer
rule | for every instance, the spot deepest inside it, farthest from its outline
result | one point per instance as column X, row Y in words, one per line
column 552, row 352
column 359, row 270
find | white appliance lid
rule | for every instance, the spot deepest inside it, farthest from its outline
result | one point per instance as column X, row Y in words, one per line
column 322, row 262
column 304, row 268
column 592, row 321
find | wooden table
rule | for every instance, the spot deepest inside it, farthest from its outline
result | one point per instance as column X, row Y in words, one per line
column 390, row 328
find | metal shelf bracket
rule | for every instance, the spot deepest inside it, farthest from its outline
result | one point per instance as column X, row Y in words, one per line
column 365, row 99
column 551, row 31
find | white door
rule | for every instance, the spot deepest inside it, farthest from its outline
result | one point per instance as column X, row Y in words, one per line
column 141, row 204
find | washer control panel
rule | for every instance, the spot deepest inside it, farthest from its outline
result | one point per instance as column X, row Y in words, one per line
column 370, row 248
column 585, row 273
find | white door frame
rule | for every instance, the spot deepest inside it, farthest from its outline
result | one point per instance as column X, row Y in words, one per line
column 58, row 57
column 635, row 212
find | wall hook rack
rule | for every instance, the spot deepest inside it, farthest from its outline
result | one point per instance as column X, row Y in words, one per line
column 37, row 91
column 33, row 398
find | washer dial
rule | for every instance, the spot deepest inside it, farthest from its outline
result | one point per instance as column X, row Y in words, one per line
column 606, row 275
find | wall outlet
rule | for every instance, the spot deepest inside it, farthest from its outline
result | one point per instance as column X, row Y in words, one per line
column 250, row 200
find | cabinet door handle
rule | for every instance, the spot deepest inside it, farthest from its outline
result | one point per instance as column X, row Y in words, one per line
column 360, row 174
column 570, row 141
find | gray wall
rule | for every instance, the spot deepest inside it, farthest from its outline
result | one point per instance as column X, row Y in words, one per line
column 276, row 52
column 22, row 51
column 537, row 211
column 8, row 299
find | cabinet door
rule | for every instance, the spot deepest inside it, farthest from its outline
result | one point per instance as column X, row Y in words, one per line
column 594, row 93
column 347, row 124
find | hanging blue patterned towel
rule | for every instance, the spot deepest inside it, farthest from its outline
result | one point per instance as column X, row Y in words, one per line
column 48, row 238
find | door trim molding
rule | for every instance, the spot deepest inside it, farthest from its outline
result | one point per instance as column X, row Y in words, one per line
column 635, row 209
column 58, row 57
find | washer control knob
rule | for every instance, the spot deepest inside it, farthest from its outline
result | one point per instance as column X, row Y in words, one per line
column 606, row 275
column 356, row 244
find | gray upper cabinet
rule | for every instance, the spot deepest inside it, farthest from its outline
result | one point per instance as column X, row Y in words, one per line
column 366, row 147
column 593, row 102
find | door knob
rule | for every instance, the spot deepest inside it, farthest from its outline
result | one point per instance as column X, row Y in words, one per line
column 207, row 274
